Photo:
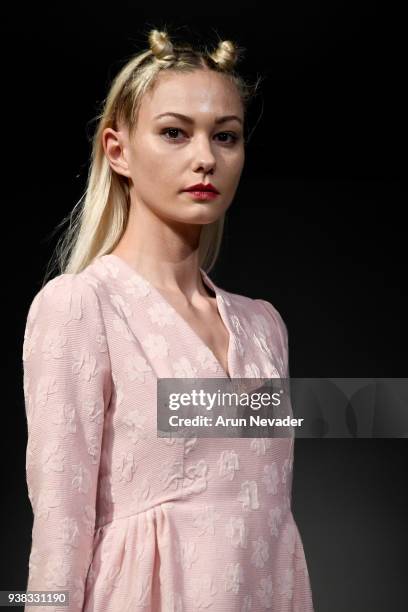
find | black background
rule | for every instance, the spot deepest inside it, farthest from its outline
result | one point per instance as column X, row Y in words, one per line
column 317, row 228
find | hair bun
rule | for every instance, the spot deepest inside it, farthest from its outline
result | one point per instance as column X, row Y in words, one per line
column 225, row 55
column 160, row 45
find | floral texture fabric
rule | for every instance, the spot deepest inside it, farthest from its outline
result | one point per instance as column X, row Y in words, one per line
column 126, row 521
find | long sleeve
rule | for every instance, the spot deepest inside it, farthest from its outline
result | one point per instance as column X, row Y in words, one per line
column 67, row 387
column 282, row 335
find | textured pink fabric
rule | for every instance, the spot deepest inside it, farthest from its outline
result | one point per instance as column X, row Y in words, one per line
column 127, row 521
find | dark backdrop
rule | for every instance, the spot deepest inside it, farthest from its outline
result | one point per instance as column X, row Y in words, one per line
column 316, row 228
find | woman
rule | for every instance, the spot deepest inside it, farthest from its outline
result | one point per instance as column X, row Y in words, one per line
column 124, row 520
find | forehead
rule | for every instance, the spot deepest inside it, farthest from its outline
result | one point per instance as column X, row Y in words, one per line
column 201, row 91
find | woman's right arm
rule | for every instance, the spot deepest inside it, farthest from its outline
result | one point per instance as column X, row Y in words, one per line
column 67, row 387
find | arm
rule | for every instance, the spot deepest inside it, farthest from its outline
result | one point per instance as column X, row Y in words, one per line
column 281, row 334
column 67, row 386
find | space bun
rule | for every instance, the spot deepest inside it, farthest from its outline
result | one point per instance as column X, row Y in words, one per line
column 225, row 55
column 160, row 45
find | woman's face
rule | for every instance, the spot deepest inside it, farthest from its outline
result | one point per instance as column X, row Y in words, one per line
column 167, row 154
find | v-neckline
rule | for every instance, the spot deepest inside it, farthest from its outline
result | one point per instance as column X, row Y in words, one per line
column 159, row 295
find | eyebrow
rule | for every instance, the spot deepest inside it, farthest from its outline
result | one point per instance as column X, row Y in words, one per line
column 190, row 120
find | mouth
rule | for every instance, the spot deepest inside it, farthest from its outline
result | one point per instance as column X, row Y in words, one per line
column 195, row 189
column 202, row 188
column 202, row 195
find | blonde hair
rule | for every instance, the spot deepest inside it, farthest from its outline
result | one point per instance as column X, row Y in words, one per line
column 99, row 218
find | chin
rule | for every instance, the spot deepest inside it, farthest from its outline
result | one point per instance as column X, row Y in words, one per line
column 200, row 213
column 205, row 216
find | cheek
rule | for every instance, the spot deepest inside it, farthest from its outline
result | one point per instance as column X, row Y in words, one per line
column 234, row 166
column 155, row 174
column 154, row 163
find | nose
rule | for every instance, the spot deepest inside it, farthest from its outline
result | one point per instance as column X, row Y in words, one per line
column 204, row 159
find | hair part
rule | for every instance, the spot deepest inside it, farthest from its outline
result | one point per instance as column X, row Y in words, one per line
column 98, row 220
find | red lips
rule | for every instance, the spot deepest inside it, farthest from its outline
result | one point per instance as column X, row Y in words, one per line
column 202, row 187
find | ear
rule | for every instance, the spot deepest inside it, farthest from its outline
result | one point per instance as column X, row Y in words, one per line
column 115, row 147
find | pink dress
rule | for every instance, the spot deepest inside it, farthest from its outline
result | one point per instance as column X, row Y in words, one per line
column 126, row 521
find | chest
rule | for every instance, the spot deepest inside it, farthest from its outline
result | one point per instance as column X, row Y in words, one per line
column 206, row 323
column 214, row 334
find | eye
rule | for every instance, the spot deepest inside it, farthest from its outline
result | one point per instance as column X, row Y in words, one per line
column 168, row 130
column 233, row 136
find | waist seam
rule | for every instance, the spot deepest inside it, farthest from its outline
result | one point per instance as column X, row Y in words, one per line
column 118, row 518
